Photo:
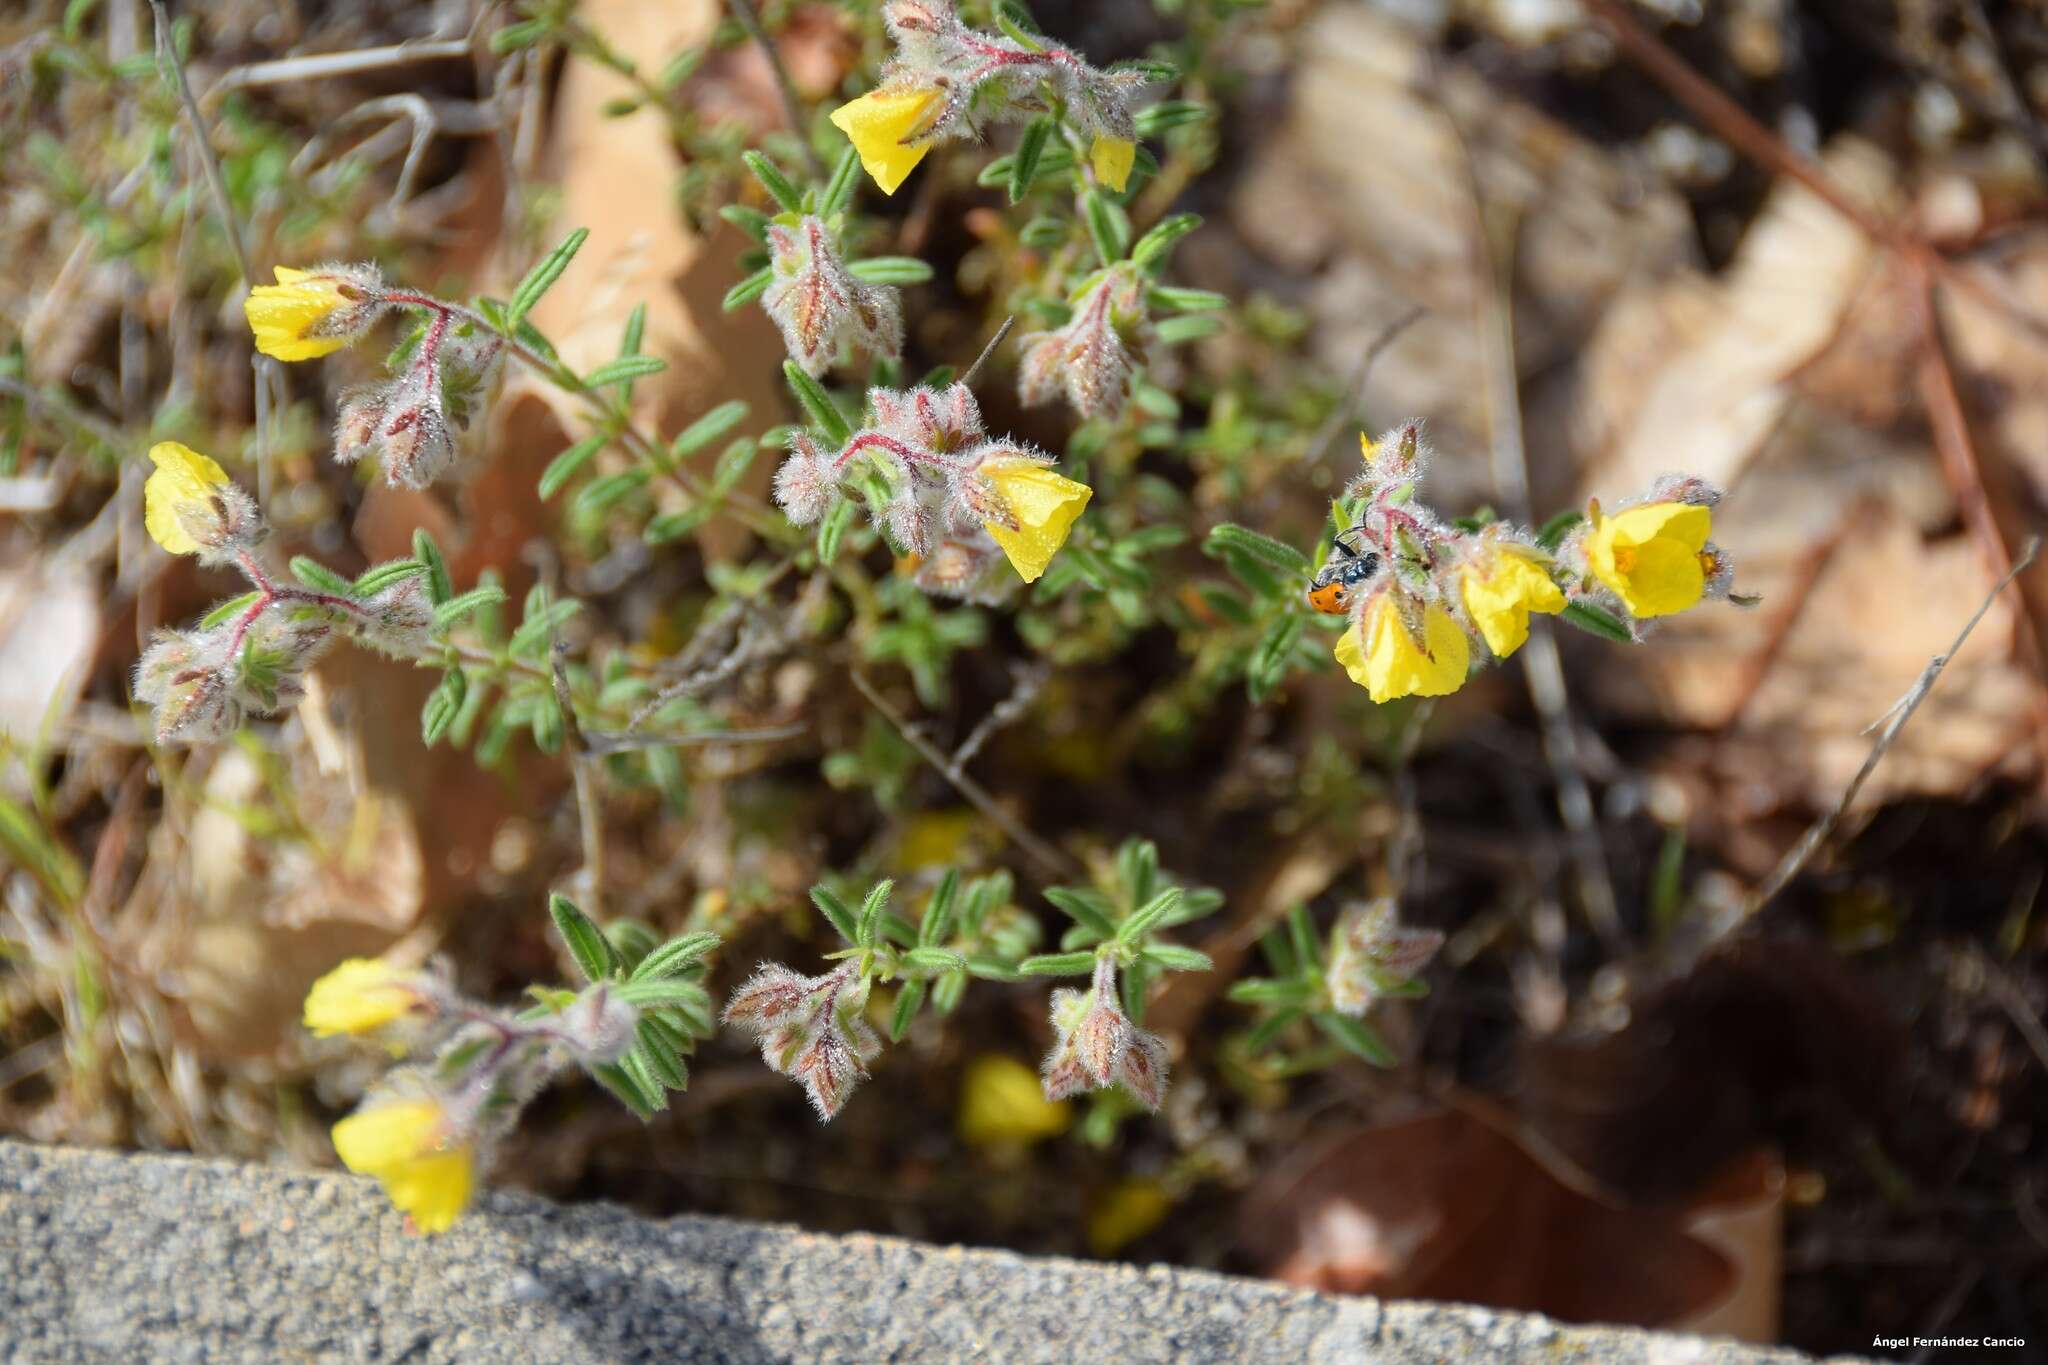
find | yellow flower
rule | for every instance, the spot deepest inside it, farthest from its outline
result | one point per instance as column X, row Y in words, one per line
column 362, row 995
column 179, row 496
column 878, row 124
column 1045, row 505
column 282, row 314
column 1389, row 663
column 1126, row 1211
column 1501, row 589
column 403, row 1146
column 1113, row 158
column 1001, row 1101
column 1650, row 555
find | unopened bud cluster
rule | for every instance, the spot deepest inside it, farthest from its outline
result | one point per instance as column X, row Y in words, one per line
column 950, row 81
column 811, row 1029
column 940, row 489
column 429, row 1126
column 1420, row 590
column 1091, row 359
column 820, row 306
column 1096, row 1045
column 408, row 424
column 251, row 656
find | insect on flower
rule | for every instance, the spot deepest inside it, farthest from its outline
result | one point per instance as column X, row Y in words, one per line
column 1351, row 565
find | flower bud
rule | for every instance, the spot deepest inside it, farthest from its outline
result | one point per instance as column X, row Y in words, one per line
column 1087, row 359
column 817, row 304
column 183, row 676
column 191, row 506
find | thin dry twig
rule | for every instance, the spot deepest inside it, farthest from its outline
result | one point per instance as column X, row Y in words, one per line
column 1893, row 721
column 993, row 343
column 1048, row 857
column 792, row 107
column 321, row 65
column 1029, row 682
column 1345, row 412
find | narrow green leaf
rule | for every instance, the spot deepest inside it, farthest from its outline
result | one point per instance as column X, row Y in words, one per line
column 936, row 924
column 1588, row 617
column 453, row 611
column 233, row 607
column 1146, row 917
column 1178, row 300
column 320, row 578
column 624, row 368
column 1173, row 957
column 1108, row 227
column 890, row 270
column 1158, row 118
column 1188, row 327
column 588, row 946
column 1557, row 528
column 908, row 998
column 871, row 908
column 836, row 912
column 833, row 529
column 775, row 182
column 626, row 1086
column 1057, row 964
column 817, row 404
column 748, row 289
column 391, row 572
column 563, row 467
column 1154, row 246
column 839, row 189
column 675, row 955
column 708, row 428
column 1356, row 1036
column 542, row 277
column 1085, row 907
column 1024, row 162
column 1269, row 991
column 1276, row 553
column 751, row 221
column 933, row 959
column 439, row 589
column 661, row 1057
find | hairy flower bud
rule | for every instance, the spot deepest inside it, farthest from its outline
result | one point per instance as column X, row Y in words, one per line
column 1097, row 1046
column 803, row 487
column 818, row 305
column 398, row 620
column 810, row 1029
column 182, row 675
column 191, row 507
column 1087, row 359
column 1372, row 955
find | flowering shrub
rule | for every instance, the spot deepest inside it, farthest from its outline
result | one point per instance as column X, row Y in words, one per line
column 899, row 530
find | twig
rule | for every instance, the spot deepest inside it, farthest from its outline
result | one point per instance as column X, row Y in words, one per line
column 1542, row 666
column 792, row 107
column 1044, row 853
column 1893, row 721
column 320, row 65
column 988, row 350
column 265, row 368
column 1342, row 415
column 618, row 742
column 2007, row 994
column 1030, row 681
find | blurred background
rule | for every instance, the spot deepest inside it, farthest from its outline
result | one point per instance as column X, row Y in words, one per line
column 1793, row 248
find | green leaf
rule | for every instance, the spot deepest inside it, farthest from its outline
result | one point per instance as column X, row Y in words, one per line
column 751, row 221
column 1158, row 118
column 1356, row 1036
column 749, row 289
column 817, row 404
column 563, row 467
column 1189, row 327
column 1172, row 957
column 675, row 955
column 836, row 912
column 839, row 189
column 1058, row 964
column 391, row 572
column 320, row 578
column 1087, row 908
column 1276, row 553
column 834, row 528
column 1017, row 24
column 1178, row 300
column 1153, row 248
column 1108, row 226
column 1146, row 917
column 1588, row 617
column 1268, row 991
column 632, row 941
column 1024, row 162
column 593, row 954
column 439, row 589
column 890, row 270
column 933, row 959
column 775, row 182
column 988, row 967
column 908, row 998
column 660, row 1056
column 627, row 1087
column 452, row 611
column 1557, row 528
column 234, row 606
column 871, row 908
column 624, row 368
column 660, row 992
column 937, row 921
column 708, row 428
column 542, row 277
column 610, row 490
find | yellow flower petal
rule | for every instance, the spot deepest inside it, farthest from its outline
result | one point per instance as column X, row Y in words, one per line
column 1045, row 504
column 1001, row 1101
column 1127, row 1211
column 877, row 124
column 1113, row 158
column 1650, row 556
column 360, row 996
column 1389, row 663
column 281, row 314
column 399, row 1144
column 1501, row 590
column 180, row 489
